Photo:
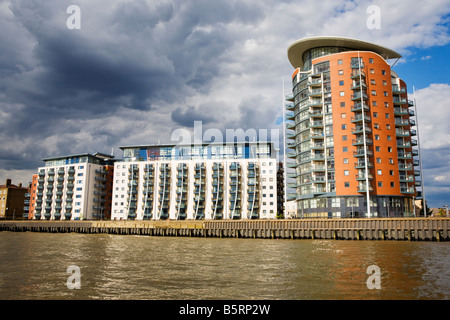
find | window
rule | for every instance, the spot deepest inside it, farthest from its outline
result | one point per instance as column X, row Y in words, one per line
column 372, row 71
column 392, row 184
column 386, row 104
column 342, row 104
column 391, row 172
column 372, row 81
column 377, row 148
column 375, row 114
column 380, row 184
column 384, row 83
column 383, row 72
column 391, row 161
column 343, row 115
column 378, row 160
column 80, row 174
column 388, row 138
column 344, row 126
column 340, row 72
column 346, row 184
column 344, row 138
column 388, row 126
column 374, row 103
column 370, row 60
column 389, row 149
column 377, row 137
column 387, row 115
column 345, row 160
column 385, row 93
column 374, row 93
column 340, row 61
column 342, row 93
column 341, row 82
column 335, row 202
column 379, row 172
column 344, row 149
column 346, row 172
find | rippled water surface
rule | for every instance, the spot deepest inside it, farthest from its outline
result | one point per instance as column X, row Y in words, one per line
column 34, row 265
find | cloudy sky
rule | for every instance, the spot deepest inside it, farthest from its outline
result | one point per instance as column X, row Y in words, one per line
column 138, row 70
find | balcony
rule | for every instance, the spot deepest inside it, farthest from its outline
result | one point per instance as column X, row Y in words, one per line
column 316, row 124
column 317, row 157
column 290, row 106
column 359, row 107
column 406, row 178
column 397, row 89
column 290, row 116
column 315, row 114
column 148, row 168
column 404, row 155
column 401, row 133
column 403, row 144
column 315, row 92
column 315, row 102
column 356, row 74
column 362, row 165
column 401, row 122
column 362, row 176
column 363, row 188
column 360, row 142
column 359, row 118
column 409, row 190
column 357, row 85
column 290, row 125
column 357, row 96
column 361, row 129
column 405, row 166
column 291, row 155
column 361, row 153
column 398, row 111
column 318, row 190
column 398, row 100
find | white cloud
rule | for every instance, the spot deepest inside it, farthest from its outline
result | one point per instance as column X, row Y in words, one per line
column 434, row 116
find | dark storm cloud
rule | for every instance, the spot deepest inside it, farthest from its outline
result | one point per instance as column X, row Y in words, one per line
column 126, row 56
column 187, row 117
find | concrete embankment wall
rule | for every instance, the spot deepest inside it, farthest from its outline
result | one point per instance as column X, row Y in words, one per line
column 418, row 229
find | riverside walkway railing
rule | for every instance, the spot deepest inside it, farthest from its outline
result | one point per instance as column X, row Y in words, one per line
column 412, row 229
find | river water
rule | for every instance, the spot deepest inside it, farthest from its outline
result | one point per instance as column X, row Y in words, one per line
column 34, row 266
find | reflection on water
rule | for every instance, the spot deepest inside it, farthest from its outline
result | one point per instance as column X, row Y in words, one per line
column 33, row 266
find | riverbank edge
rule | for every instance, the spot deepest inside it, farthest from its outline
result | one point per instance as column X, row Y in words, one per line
column 409, row 229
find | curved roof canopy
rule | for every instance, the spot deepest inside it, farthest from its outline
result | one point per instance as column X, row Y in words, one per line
column 296, row 49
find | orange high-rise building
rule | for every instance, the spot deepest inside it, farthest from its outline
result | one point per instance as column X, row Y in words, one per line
column 350, row 131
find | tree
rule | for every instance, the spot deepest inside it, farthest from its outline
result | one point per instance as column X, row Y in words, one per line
column 429, row 211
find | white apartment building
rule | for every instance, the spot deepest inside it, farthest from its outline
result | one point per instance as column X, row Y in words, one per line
column 207, row 181
column 74, row 187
